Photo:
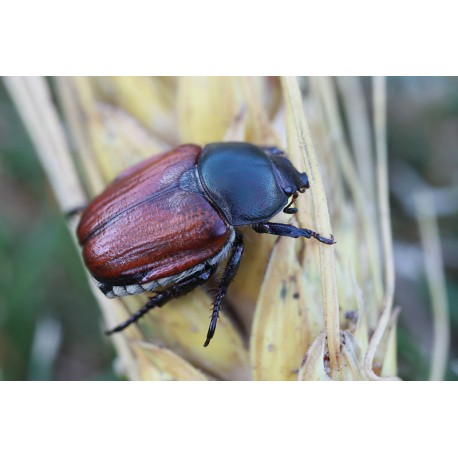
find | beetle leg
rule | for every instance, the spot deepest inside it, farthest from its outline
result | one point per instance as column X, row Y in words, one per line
column 162, row 297
column 229, row 274
column 287, row 230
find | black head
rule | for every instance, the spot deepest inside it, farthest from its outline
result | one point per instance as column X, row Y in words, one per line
column 289, row 178
column 248, row 184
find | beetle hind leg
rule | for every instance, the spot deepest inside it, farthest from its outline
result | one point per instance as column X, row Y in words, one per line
column 191, row 283
column 229, row 274
column 163, row 297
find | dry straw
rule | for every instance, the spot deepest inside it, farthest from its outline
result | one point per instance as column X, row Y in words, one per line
column 298, row 309
column 435, row 275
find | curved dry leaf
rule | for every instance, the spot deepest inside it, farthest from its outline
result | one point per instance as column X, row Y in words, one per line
column 147, row 99
column 114, row 312
column 303, row 150
column 182, row 324
column 351, row 359
column 259, row 130
column 72, row 91
column 386, row 355
column 119, row 141
column 313, row 366
column 206, row 107
column 33, row 100
column 311, row 281
column 236, row 131
column 244, row 291
column 279, row 333
column 271, row 95
column 158, row 363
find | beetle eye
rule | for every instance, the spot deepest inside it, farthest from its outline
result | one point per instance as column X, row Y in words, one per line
column 288, row 190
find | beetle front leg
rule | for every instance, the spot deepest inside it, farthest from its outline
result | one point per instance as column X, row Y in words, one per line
column 229, row 274
column 288, row 230
column 163, row 297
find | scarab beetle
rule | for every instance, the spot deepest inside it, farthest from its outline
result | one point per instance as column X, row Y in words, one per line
column 165, row 224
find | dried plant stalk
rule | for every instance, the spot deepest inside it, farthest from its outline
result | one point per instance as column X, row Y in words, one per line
column 435, row 275
column 384, row 208
column 358, row 120
column 302, row 151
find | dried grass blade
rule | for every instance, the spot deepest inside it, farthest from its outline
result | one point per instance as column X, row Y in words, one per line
column 313, row 367
column 299, row 135
column 358, row 120
column 159, row 363
column 435, row 275
column 73, row 93
column 33, row 101
column 379, row 94
column 365, row 210
column 279, row 335
column 206, row 107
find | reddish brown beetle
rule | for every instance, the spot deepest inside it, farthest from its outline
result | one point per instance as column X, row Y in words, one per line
column 166, row 223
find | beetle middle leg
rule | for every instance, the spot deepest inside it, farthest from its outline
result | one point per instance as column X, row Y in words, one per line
column 229, row 274
column 288, row 230
column 163, row 297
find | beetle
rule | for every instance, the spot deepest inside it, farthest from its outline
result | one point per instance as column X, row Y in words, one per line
column 165, row 224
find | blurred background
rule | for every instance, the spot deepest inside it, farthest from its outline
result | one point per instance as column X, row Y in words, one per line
column 50, row 325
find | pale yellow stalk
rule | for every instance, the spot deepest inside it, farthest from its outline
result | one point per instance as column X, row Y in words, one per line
column 303, row 152
column 385, row 221
column 435, row 275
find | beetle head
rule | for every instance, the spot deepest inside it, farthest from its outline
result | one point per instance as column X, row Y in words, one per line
column 289, row 179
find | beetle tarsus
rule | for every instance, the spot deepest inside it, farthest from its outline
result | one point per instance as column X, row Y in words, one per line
column 229, row 274
column 288, row 230
column 163, row 297
column 325, row 240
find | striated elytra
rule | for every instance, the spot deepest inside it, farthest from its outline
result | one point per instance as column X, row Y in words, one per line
column 165, row 224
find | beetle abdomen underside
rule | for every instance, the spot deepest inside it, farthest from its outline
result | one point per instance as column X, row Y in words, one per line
column 145, row 227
